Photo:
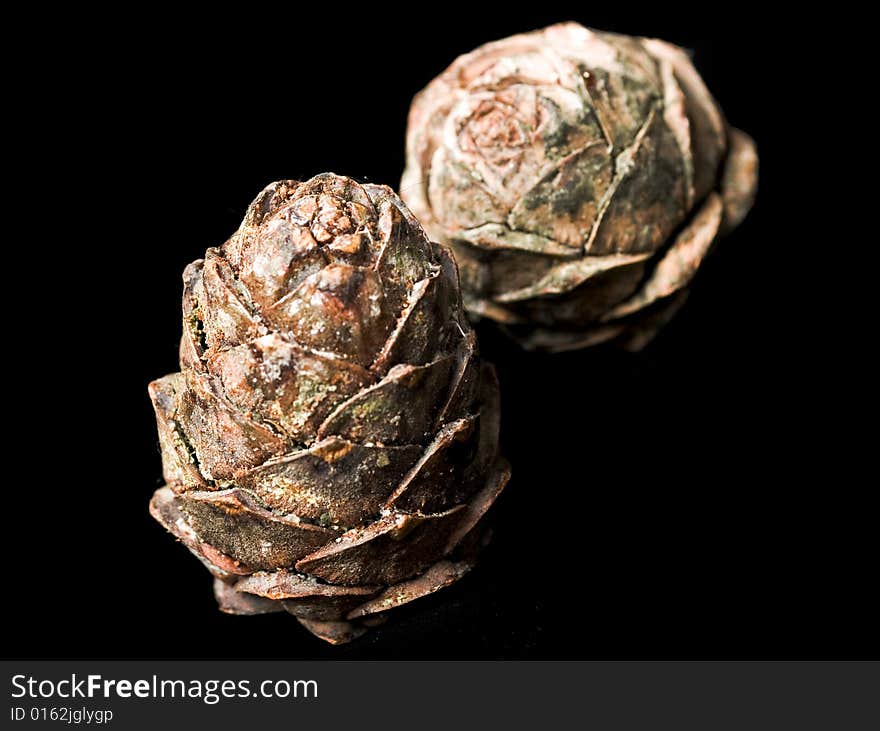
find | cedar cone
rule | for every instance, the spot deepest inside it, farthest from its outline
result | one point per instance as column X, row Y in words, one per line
column 580, row 178
column 330, row 444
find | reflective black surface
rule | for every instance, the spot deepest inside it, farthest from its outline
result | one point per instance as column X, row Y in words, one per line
column 687, row 501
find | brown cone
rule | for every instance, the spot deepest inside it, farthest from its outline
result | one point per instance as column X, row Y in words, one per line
column 331, row 442
column 580, row 179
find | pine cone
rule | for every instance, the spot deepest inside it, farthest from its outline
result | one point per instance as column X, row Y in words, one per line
column 580, row 178
column 330, row 444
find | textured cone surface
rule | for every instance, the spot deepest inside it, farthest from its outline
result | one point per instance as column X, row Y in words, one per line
column 331, row 442
column 570, row 171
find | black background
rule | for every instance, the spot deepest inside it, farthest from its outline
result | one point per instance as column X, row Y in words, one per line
column 682, row 502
